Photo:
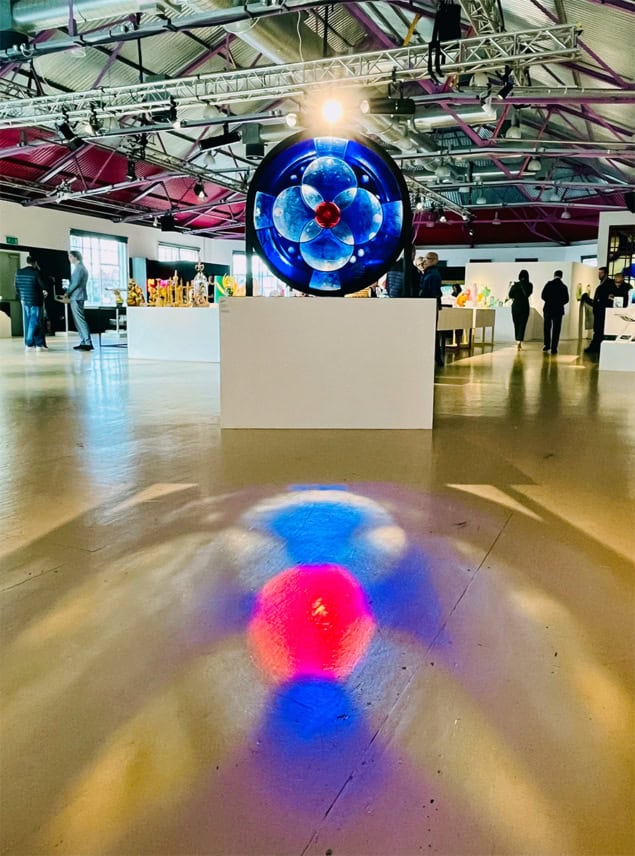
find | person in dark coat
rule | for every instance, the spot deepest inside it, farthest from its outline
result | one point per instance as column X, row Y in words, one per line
column 519, row 296
column 622, row 289
column 556, row 296
column 30, row 290
column 602, row 300
column 395, row 280
column 430, row 289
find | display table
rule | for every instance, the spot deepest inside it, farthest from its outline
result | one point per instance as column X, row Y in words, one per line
column 327, row 363
column 188, row 334
column 619, row 355
column 466, row 318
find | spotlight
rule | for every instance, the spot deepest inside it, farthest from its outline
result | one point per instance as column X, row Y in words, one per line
column 465, row 217
column 211, row 158
column 68, row 135
column 442, row 172
column 199, row 190
column 442, row 218
column 508, row 82
column 388, row 106
column 481, row 199
column 92, row 125
column 167, row 223
column 225, row 139
column 513, row 133
column 155, row 221
column 173, row 115
column 291, row 119
column 131, row 170
column 497, row 220
column 418, row 202
column 332, row 111
column 566, row 215
column 534, row 165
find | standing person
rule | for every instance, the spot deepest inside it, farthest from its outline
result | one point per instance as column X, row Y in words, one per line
column 602, row 300
column 556, row 296
column 29, row 288
column 430, row 288
column 76, row 296
column 395, row 279
column 622, row 289
column 519, row 295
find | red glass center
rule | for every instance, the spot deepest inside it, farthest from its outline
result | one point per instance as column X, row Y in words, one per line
column 327, row 215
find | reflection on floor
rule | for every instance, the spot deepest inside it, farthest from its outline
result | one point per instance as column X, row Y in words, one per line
column 172, row 684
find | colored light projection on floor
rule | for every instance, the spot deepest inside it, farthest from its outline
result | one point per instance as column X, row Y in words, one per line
column 311, row 621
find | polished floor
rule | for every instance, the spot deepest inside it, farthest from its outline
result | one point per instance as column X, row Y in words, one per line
column 152, row 705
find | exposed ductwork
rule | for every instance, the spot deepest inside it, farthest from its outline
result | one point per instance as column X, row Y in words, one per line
column 43, row 14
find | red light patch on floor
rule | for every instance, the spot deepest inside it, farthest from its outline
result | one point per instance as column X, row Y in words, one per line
column 311, row 621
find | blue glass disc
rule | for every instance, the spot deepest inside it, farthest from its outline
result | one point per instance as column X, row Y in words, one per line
column 328, row 215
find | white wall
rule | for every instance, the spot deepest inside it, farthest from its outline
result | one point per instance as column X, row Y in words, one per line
column 43, row 227
column 611, row 218
column 498, row 276
column 460, row 256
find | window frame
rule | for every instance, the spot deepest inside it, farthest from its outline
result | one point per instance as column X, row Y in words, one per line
column 100, row 289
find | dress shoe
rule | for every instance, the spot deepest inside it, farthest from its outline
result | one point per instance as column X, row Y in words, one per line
column 85, row 348
column 544, row 350
column 554, row 352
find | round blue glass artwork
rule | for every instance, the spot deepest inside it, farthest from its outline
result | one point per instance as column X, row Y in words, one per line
column 328, row 215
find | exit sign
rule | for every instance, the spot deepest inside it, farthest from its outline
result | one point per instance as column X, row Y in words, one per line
column 11, row 240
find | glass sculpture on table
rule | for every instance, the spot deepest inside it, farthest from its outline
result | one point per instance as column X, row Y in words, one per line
column 328, row 215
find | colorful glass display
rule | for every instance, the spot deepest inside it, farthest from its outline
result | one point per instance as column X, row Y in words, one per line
column 328, row 215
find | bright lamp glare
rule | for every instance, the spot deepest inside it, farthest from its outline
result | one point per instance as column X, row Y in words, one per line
column 292, row 119
column 332, row 110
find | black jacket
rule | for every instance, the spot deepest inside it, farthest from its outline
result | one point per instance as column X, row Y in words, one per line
column 29, row 286
column 556, row 296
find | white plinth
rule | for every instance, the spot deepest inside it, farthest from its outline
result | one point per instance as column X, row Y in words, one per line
column 327, row 363
column 187, row 334
column 5, row 326
column 617, row 357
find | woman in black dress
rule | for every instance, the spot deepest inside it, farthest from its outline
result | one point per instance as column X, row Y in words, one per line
column 519, row 296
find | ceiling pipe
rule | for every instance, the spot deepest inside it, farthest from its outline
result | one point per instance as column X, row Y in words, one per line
column 42, row 14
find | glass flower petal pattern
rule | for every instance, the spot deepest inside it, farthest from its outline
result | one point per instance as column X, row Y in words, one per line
column 328, row 215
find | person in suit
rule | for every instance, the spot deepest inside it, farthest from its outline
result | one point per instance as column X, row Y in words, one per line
column 519, row 296
column 602, row 300
column 76, row 296
column 555, row 295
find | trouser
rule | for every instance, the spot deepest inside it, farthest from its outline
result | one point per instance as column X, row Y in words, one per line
column 77, row 308
column 33, row 326
column 552, row 327
column 599, row 315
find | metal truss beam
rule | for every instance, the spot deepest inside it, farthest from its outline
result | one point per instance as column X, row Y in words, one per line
column 489, row 52
column 484, row 15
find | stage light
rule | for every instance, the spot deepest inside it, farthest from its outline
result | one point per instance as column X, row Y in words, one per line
column 442, row 218
column 131, row 170
column 534, row 165
column 418, row 202
column 481, row 199
column 225, row 139
column 513, row 133
column 332, row 110
column 68, row 135
column 92, row 125
column 508, row 82
column 442, row 172
column 465, row 217
column 388, row 106
column 497, row 220
column 167, row 223
column 566, row 215
column 199, row 190
column 291, row 119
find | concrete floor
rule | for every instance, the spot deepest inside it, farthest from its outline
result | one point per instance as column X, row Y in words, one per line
column 489, row 710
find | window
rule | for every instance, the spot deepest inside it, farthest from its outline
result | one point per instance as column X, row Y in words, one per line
column 177, row 253
column 105, row 258
column 589, row 260
column 265, row 282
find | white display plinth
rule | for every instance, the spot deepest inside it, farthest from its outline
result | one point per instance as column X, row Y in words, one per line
column 187, row 334
column 5, row 326
column 327, row 363
column 617, row 357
